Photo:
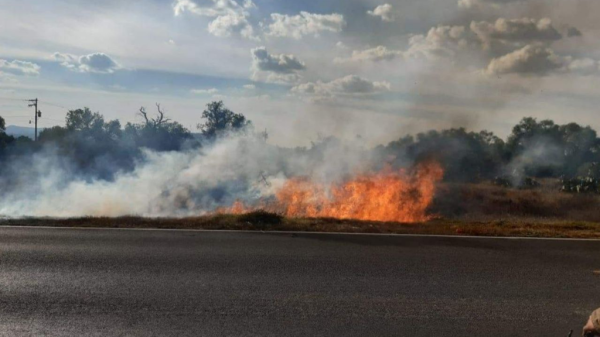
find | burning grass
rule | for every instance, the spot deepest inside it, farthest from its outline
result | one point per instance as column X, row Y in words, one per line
column 456, row 209
column 386, row 196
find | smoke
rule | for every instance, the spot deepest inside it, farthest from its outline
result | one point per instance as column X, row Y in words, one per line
column 540, row 157
column 173, row 184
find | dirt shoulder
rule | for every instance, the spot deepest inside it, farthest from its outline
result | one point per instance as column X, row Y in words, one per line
column 260, row 221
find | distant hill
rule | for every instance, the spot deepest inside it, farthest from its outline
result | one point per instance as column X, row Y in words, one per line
column 18, row 131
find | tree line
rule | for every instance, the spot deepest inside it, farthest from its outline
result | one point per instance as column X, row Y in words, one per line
column 534, row 148
column 102, row 148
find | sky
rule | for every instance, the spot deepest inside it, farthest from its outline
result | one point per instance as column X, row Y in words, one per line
column 368, row 69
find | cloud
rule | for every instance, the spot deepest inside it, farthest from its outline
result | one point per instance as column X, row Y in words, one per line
column 524, row 29
column 98, row 63
column 384, row 12
column 440, row 42
column 249, row 87
column 585, row 66
column 303, row 24
column 482, row 40
column 341, row 45
column 230, row 24
column 350, row 85
column 480, row 3
column 377, row 54
column 229, row 17
column 92, row 63
column 276, row 68
column 530, row 59
column 19, row 68
column 248, row 4
column 212, row 8
column 210, row 91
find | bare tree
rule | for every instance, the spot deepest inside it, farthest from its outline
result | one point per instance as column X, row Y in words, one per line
column 156, row 122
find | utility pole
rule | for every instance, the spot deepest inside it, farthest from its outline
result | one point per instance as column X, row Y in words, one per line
column 34, row 103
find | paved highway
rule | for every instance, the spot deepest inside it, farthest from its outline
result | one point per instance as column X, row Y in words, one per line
column 87, row 282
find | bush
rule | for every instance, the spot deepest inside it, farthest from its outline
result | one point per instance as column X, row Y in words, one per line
column 261, row 218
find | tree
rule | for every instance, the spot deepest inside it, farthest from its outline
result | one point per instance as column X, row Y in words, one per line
column 84, row 119
column 158, row 133
column 5, row 140
column 220, row 119
column 55, row 134
column 157, row 122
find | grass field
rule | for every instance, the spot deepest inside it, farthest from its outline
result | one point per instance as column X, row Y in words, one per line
column 459, row 209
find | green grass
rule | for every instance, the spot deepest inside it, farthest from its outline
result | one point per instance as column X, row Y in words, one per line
column 263, row 221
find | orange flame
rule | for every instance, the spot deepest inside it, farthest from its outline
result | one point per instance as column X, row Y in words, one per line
column 393, row 196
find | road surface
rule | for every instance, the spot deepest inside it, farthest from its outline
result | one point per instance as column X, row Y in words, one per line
column 85, row 282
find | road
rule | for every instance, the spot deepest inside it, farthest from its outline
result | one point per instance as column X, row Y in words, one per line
column 87, row 282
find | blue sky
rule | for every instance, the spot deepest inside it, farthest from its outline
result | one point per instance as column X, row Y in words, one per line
column 380, row 69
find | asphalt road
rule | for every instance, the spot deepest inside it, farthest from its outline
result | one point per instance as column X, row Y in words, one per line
column 81, row 282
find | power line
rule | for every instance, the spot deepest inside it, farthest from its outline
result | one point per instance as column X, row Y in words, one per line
column 55, row 105
column 52, row 119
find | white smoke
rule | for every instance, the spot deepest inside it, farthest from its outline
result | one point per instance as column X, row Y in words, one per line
column 175, row 184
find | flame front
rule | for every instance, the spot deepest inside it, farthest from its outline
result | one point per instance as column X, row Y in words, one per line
column 389, row 195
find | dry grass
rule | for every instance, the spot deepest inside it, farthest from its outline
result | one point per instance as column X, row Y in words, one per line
column 486, row 202
column 270, row 222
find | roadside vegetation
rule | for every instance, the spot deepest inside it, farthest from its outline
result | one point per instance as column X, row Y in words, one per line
column 481, row 209
column 543, row 180
column 271, row 222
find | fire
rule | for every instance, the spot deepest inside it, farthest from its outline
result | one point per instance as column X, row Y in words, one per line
column 388, row 195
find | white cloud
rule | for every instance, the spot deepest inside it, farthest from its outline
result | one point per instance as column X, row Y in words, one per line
column 248, row 4
column 585, row 66
column 19, row 68
column 484, row 42
column 276, row 68
column 249, row 87
column 530, row 59
column 524, row 29
column 341, row 45
column 352, row 85
column 227, row 25
column 214, row 8
column 92, row 63
column 229, row 17
column 440, row 42
column 385, row 12
column 210, row 91
column 377, row 54
column 304, row 24
column 481, row 3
